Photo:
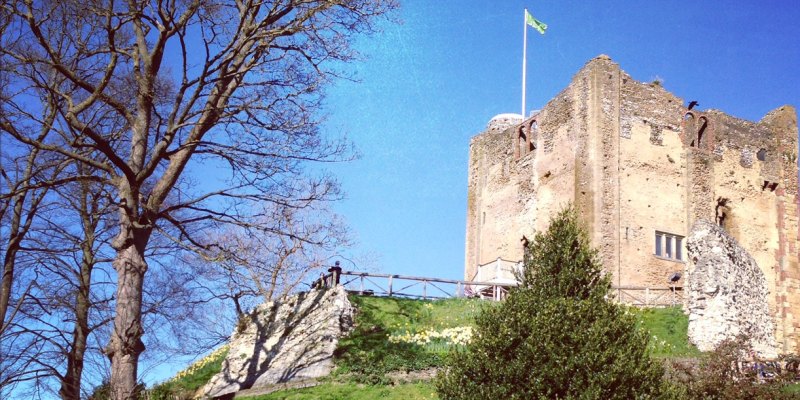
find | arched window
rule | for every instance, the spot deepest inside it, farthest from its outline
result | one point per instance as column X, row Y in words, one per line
column 525, row 139
column 701, row 131
column 533, row 131
column 522, row 141
column 688, row 129
column 762, row 155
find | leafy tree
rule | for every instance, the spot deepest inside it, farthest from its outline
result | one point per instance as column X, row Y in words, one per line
column 557, row 335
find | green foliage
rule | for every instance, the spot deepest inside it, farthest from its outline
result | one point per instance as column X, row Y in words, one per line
column 792, row 388
column 103, row 391
column 368, row 354
column 186, row 383
column 332, row 391
column 657, row 81
column 720, row 376
column 668, row 329
column 560, row 263
column 556, row 336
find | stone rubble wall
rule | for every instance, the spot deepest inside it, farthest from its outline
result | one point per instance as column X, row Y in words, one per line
column 284, row 341
column 727, row 293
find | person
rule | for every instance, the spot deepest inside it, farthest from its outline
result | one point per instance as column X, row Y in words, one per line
column 758, row 366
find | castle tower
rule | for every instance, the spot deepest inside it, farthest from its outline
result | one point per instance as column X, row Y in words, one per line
column 641, row 168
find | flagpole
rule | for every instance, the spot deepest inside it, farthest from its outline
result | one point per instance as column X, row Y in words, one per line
column 524, row 57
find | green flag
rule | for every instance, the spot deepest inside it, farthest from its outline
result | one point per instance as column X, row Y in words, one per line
column 535, row 23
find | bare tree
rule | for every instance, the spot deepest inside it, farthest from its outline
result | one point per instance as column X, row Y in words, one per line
column 25, row 171
column 28, row 175
column 90, row 200
column 264, row 264
column 61, row 307
column 186, row 85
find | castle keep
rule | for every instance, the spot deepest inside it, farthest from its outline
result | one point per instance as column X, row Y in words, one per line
column 641, row 167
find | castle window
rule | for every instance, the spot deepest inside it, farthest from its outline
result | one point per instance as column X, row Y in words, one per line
column 701, row 131
column 688, row 129
column 761, row 155
column 525, row 140
column 521, row 143
column 669, row 246
column 692, row 134
column 533, row 131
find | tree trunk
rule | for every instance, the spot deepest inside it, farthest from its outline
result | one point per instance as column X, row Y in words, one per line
column 7, row 281
column 71, row 383
column 126, row 338
column 16, row 232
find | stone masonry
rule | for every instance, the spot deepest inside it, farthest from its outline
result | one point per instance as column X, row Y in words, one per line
column 284, row 341
column 641, row 167
column 727, row 294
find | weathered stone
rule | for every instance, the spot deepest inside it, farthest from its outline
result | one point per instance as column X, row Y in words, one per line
column 746, row 160
column 641, row 166
column 287, row 341
column 502, row 122
column 727, row 292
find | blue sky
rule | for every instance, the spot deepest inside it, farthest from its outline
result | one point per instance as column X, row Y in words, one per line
column 431, row 83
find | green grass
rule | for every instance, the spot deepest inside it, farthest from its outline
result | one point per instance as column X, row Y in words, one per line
column 368, row 354
column 397, row 313
column 192, row 378
column 668, row 329
column 793, row 388
column 334, row 391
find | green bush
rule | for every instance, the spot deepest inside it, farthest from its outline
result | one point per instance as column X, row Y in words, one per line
column 103, row 391
column 556, row 336
column 720, row 376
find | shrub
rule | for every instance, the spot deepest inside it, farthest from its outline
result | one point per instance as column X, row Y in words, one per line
column 720, row 376
column 103, row 391
column 556, row 336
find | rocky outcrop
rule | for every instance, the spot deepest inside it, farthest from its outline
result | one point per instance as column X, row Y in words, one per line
column 727, row 292
column 287, row 341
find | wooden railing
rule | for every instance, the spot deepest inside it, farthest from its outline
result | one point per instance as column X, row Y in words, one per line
column 436, row 288
column 648, row 296
column 412, row 286
column 498, row 270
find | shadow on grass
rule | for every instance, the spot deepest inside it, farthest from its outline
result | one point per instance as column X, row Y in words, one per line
column 369, row 355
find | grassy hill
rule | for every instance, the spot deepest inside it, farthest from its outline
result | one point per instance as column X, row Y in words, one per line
column 394, row 337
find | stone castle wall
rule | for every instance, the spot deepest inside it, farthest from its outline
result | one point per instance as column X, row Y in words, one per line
column 635, row 161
